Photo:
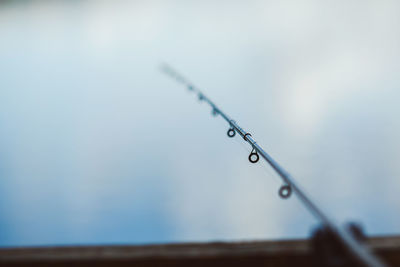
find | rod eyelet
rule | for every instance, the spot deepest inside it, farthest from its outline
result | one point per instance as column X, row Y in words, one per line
column 285, row 191
column 231, row 132
column 214, row 112
column 254, row 157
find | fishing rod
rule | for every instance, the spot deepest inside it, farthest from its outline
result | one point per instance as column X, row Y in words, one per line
column 357, row 251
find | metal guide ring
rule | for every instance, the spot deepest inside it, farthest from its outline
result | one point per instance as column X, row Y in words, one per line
column 252, row 155
column 214, row 112
column 231, row 132
column 285, row 191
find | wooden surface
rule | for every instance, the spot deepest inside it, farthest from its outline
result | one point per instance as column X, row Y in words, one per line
column 268, row 253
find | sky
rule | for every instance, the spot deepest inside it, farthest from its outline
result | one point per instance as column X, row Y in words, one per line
column 97, row 146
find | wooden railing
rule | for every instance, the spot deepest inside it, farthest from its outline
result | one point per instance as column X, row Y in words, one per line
column 268, row 253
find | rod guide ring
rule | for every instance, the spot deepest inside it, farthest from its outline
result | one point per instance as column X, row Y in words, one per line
column 254, row 157
column 214, row 112
column 231, row 132
column 285, row 191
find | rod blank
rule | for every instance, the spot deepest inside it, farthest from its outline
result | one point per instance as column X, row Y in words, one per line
column 357, row 250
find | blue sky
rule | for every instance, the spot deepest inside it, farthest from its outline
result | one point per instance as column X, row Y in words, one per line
column 98, row 147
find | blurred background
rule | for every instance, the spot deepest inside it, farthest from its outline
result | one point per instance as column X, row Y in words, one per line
column 97, row 146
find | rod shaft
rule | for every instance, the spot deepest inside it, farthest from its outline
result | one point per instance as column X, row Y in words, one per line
column 357, row 250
